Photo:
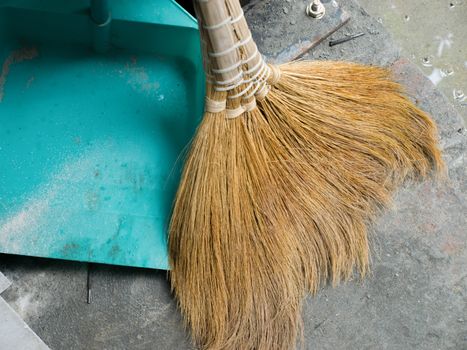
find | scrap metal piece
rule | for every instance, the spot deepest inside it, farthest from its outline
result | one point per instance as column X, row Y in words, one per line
column 316, row 9
column 344, row 40
column 287, row 37
column 88, row 284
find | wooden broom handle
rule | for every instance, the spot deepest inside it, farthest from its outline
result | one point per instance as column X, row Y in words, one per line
column 242, row 31
column 229, row 50
column 213, row 21
column 205, row 42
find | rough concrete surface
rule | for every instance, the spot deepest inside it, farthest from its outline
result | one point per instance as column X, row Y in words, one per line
column 432, row 34
column 289, row 33
column 415, row 297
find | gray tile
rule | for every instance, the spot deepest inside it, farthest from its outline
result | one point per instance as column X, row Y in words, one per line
column 14, row 333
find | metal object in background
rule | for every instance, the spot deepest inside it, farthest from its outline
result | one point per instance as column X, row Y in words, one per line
column 344, row 40
column 316, row 9
column 290, row 36
column 88, row 283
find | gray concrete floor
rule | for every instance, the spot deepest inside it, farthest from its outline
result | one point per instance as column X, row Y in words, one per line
column 433, row 35
column 415, row 297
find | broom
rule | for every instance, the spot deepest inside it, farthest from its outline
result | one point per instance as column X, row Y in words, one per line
column 289, row 165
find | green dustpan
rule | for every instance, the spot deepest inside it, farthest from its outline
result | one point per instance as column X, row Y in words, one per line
column 95, row 115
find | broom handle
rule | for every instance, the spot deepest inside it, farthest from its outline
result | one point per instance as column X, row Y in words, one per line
column 234, row 58
column 213, row 20
column 240, row 26
column 255, row 64
column 205, row 47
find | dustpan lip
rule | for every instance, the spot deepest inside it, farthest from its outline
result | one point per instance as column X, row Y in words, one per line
column 190, row 17
column 119, row 10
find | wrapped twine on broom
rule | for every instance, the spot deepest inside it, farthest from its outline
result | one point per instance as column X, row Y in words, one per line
column 288, row 167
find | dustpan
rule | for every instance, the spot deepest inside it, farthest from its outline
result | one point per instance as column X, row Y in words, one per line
column 96, row 110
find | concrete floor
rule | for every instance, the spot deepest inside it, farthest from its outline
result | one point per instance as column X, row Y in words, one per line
column 415, row 297
column 433, row 35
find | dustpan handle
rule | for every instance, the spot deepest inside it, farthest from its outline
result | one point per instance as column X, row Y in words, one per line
column 100, row 11
column 101, row 18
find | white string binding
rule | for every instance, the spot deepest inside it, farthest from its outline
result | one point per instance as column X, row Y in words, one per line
column 213, row 106
column 259, row 77
column 261, row 65
column 228, row 69
column 261, row 72
column 263, row 91
column 275, row 75
column 258, row 68
column 241, row 93
column 261, row 85
column 249, row 106
column 238, row 18
column 232, row 80
column 230, row 49
column 228, row 20
column 238, row 64
column 228, row 88
column 232, row 113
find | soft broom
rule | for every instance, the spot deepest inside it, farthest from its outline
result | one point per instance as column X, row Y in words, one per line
column 287, row 168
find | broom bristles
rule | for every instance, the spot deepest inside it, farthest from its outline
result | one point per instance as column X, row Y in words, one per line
column 350, row 139
column 277, row 201
column 237, row 288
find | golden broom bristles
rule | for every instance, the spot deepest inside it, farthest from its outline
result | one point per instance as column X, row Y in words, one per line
column 275, row 197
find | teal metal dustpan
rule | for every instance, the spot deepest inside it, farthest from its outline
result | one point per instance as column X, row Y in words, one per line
column 90, row 142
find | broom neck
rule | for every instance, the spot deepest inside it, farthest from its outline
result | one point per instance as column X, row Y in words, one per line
column 218, row 41
column 231, row 59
